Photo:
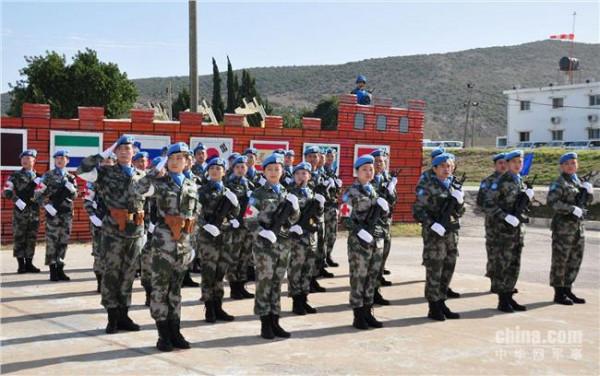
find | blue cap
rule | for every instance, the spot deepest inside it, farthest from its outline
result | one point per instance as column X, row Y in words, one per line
column 233, row 156
column 252, row 151
column 437, row 151
column 141, row 154
column 567, row 156
column 241, row 159
column 215, row 162
column 125, row 139
column 303, row 166
column 513, row 154
column 273, row 158
column 61, row 153
column 28, row 153
column 363, row 160
column 361, row 78
column 311, row 150
column 444, row 157
column 498, row 157
column 199, row 147
column 290, row 153
column 379, row 153
column 156, row 161
column 178, row 147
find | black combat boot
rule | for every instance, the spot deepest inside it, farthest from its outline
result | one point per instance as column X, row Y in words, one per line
column 378, row 299
column 177, row 339
column 245, row 293
column 359, row 319
column 370, row 319
column 251, row 273
column 278, row 331
column 447, row 312
column 573, row 297
column 113, row 318
column 435, row 311
column 560, row 297
column 384, row 282
column 148, row 290
column 315, row 287
column 60, row 271
column 307, row 307
column 98, row 282
column 330, row 262
column 29, row 267
column 516, row 306
column 220, row 314
column 325, row 274
column 164, row 336
column 504, row 302
column 125, row 322
column 21, row 269
column 188, row 281
column 236, row 293
column 386, row 272
column 452, row 294
column 266, row 327
column 298, row 305
column 54, row 273
column 209, row 311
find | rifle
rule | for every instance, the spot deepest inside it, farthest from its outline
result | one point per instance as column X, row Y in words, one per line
column 27, row 193
column 308, row 220
column 60, row 196
column 521, row 206
column 281, row 214
column 582, row 197
column 222, row 209
column 450, row 206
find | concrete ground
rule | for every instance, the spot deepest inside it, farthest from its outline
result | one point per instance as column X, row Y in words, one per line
column 58, row 328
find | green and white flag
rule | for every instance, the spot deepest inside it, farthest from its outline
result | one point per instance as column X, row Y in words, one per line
column 78, row 144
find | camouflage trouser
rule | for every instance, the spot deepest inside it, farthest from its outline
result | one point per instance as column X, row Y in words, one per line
column 215, row 261
column 321, row 249
column 121, row 259
column 567, row 254
column 302, row 263
column 506, row 246
column 489, row 240
column 439, row 259
column 365, row 264
column 97, row 248
column 387, row 246
column 240, row 250
column 270, row 261
column 25, row 228
column 331, row 227
column 58, row 231
column 146, row 262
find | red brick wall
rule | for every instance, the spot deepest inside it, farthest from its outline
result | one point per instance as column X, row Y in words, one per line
column 405, row 147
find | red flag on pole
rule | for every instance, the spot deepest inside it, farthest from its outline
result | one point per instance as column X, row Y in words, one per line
column 563, row 36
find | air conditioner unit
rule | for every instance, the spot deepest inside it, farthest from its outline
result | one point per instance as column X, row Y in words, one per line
column 593, row 118
column 555, row 119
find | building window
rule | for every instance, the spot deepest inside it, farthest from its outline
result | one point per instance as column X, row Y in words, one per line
column 525, row 105
column 523, row 136
column 595, row 100
column 557, row 102
column 593, row 133
column 381, row 122
column 359, row 120
column 404, row 124
column 557, row 135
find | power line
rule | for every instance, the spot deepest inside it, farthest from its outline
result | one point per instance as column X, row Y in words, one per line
column 534, row 103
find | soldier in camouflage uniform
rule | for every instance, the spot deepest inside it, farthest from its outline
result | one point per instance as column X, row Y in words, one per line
column 57, row 190
column 253, row 175
column 122, row 229
column 508, row 231
column 287, row 179
column 484, row 186
column 141, row 160
column 273, row 212
column 220, row 209
column 568, row 196
column 303, row 239
column 239, row 241
column 363, row 216
column 187, row 279
column 20, row 188
column 331, row 205
column 198, row 169
column 177, row 204
column 436, row 199
column 94, row 206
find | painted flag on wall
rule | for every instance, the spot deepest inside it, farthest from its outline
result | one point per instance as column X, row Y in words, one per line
column 266, row 148
column 152, row 144
column 78, row 144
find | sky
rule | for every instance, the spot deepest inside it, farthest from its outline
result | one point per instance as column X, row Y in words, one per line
column 150, row 38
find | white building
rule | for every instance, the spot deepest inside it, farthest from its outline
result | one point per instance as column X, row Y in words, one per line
column 553, row 113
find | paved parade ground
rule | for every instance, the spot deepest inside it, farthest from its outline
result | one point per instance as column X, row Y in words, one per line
column 58, row 328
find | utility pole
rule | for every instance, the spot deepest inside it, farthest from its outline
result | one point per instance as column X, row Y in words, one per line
column 475, row 106
column 193, row 51
column 467, row 104
column 170, row 99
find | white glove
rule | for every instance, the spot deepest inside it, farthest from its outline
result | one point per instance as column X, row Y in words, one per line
column 439, row 229
column 383, row 204
column 364, row 235
column 106, row 153
column 211, row 229
column 459, row 196
column 577, row 211
column 37, row 180
column 20, row 204
column 189, row 257
column 262, row 181
column 248, row 194
column 319, row 197
column 50, row 209
column 391, row 187
column 512, row 220
column 339, row 183
column 331, row 183
column 151, row 227
column 96, row 221
column 296, row 229
column 269, row 235
column 70, row 187
column 589, row 187
column 232, row 197
column 529, row 193
column 235, row 223
column 293, row 200
column 288, row 180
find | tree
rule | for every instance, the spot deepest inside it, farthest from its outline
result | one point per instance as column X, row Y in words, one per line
column 327, row 111
column 217, row 101
column 232, row 88
column 181, row 103
column 86, row 82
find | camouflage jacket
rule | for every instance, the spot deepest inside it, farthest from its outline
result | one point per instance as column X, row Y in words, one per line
column 562, row 197
column 500, row 199
column 484, row 186
column 169, row 198
column 424, row 179
column 360, row 200
column 53, row 191
column 240, row 186
column 264, row 201
column 92, row 202
column 21, row 185
column 210, row 196
column 431, row 199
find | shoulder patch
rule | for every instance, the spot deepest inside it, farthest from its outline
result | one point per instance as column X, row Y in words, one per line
column 420, row 192
column 483, row 185
column 494, row 186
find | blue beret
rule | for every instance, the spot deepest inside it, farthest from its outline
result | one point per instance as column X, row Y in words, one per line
column 303, row 166
column 60, row 153
column 240, row 159
column 311, row 150
column 363, row 160
column 141, row 154
column 290, row 153
column 125, row 139
column 437, row 151
column 442, row 158
column 273, row 158
column 498, row 156
column 233, row 156
column 137, row 144
column 199, row 147
column 28, row 153
column 379, row 153
column 513, row 154
column 178, row 147
column 279, row 151
column 251, row 151
column 156, row 161
column 215, row 162
column 567, row 156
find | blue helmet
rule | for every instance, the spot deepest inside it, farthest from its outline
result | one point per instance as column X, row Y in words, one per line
column 361, row 78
